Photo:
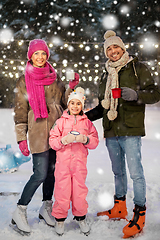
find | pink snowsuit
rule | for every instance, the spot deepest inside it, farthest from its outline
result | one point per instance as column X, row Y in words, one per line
column 70, row 168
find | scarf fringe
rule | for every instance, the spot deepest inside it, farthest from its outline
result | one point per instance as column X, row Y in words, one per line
column 112, row 82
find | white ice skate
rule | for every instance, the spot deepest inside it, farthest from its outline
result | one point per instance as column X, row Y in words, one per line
column 19, row 220
column 59, row 227
column 84, row 227
column 45, row 213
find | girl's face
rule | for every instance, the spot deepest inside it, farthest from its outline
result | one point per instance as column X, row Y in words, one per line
column 114, row 52
column 75, row 107
column 39, row 58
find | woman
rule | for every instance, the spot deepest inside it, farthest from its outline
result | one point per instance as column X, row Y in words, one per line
column 40, row 100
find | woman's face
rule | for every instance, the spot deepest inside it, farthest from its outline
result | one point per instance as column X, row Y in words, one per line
column 114, row 52
column 39, row 58
column 75, row 107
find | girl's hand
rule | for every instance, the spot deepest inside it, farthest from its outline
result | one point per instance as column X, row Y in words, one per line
column 69, row 138
column 81, row 138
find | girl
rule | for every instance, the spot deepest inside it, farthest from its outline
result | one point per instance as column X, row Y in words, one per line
column 72, row 136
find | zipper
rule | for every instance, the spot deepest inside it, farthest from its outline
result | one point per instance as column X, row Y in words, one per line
column 75, row 120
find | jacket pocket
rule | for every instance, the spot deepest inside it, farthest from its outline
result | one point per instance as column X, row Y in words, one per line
column 134, row 116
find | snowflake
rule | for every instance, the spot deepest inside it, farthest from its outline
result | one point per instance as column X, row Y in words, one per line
column 110, row 21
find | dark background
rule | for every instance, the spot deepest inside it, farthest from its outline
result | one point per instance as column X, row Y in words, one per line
column 74, row 33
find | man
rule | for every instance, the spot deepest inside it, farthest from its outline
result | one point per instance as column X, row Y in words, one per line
column 123, row 123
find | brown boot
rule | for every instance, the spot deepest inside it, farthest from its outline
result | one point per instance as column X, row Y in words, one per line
column 119, row 210
column 137, row 223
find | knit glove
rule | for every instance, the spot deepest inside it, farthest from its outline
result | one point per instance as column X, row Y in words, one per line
column 74, row 82
column 81, row 138
column 69, row 138
column 129, row 94
column 23, row 146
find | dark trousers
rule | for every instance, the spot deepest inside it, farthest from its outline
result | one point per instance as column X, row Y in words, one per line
column 43, row 172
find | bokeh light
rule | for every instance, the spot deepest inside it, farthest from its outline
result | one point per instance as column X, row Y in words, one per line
column 110, row 21
column 105, row 200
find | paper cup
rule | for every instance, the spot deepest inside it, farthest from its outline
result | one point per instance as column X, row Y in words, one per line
column 116, row 92
column 74, row 132
column 70, row 75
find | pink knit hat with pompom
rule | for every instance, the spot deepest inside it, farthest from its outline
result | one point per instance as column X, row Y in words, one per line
column 36, row 45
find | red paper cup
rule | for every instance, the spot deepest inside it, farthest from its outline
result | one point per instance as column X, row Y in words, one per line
column 116, row 92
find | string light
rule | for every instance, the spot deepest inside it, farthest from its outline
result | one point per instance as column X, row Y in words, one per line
column 90, row 68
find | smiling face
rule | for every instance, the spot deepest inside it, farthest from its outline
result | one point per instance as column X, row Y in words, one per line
column 114, row 52
column 75, row 107
column 39, row 58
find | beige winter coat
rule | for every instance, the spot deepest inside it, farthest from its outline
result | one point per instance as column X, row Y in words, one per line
column 25, row 124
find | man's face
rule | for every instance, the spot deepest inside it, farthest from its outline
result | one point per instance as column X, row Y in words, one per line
column 114, row 52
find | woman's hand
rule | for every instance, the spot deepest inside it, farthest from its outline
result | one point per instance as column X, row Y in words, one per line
column 74, row 82
column 23, row 146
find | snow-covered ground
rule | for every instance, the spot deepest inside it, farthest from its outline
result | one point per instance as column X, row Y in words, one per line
column 101, row 189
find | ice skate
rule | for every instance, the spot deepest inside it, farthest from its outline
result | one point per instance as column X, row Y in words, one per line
column 84, row 227
column 59, row 227
column 136, row 224
column 45, row 213
column 119, row 211
column 19, row 220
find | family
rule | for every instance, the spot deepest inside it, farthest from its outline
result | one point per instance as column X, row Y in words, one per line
column 52, row 120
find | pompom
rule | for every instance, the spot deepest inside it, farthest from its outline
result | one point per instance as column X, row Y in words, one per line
column 105, row 103
column 109, row 34
column 112, row 114
column 80, row 90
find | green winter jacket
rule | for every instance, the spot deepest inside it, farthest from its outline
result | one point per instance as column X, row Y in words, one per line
column 131, row 114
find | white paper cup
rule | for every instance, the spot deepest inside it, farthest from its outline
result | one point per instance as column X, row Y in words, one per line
column 74, row 132
column 70, row 75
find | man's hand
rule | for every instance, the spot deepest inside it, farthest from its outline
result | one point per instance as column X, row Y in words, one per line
column 129, row 94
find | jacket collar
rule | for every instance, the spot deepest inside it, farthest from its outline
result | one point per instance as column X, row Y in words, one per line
column 66, row 115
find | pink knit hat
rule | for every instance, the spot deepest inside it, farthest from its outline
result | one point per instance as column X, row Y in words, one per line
column 35, row 45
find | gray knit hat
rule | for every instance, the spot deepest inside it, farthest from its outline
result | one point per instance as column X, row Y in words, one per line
column 111, row 39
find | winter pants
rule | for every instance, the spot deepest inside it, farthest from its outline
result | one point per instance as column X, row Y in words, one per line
column 43, row 172
column 129, row 146
column 70, row 187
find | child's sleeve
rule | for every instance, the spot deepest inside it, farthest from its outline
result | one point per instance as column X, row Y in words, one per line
column 55, row 137
column 92, row 136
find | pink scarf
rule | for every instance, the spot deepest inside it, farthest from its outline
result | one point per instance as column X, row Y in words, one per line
column 35, row 79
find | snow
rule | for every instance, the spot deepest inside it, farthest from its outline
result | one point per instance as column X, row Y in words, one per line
column 100, row 183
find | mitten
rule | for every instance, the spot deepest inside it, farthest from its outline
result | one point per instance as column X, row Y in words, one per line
column 74, row 82
column 23, row 146
column 81, row 138
column 129, row 94
column 69, row 138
